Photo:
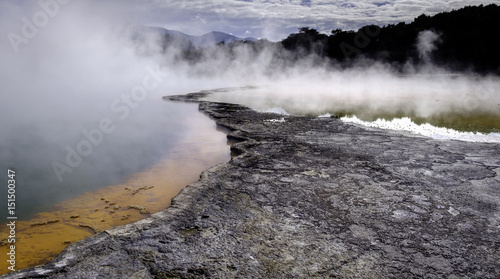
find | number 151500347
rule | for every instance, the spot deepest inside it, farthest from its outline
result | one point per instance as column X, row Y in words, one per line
column 11, row 194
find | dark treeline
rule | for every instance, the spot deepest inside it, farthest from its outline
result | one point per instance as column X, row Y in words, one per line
column 468, row 40
column 464, row 40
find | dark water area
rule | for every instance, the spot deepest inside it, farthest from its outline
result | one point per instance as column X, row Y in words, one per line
column 136, row 142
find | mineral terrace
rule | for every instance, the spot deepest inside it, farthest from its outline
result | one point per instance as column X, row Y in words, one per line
column 312, row 198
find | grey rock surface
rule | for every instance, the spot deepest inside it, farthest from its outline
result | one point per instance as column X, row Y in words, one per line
column 312, row 198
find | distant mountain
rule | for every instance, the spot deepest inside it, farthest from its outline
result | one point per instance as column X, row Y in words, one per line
column 211, row 38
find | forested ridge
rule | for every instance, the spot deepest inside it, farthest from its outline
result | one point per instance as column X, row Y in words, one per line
column 468, row 40
column 464, row 40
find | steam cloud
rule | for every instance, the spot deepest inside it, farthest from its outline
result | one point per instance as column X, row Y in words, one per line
column 426, row 44
column 66, row 78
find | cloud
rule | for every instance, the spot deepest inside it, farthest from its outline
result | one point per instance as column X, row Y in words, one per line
column 274, row 19
column 238, row 16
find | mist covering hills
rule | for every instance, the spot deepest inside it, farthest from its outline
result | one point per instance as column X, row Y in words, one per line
column 190, row 41
column 464, row 40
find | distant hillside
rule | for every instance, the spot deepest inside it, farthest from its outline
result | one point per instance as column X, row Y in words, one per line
column 208, row 39
column 463, row 40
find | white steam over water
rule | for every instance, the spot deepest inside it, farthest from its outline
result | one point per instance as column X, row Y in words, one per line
column 367, row 92
column 374, row 89
column 81, row 103
column 66, row 73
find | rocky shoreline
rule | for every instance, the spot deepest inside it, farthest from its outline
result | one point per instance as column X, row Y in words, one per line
column 312, row 198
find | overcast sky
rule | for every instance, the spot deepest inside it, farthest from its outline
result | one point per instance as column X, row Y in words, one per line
column 271, row 19
column 274, row 19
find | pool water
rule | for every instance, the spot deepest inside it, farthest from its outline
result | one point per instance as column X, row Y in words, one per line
column 197, row 146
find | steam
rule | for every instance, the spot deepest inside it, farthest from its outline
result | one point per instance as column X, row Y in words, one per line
column 426, row 44
column 76, row 68
column 87, row 62
column 374, row 90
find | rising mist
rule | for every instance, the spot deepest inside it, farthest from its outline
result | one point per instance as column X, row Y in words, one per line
column 90, row 64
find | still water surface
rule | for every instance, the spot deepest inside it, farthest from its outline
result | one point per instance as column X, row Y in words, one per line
column 134, row 169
